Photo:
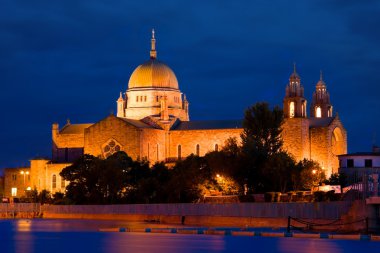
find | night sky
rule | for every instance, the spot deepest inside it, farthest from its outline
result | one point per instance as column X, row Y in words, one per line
column 70, row 59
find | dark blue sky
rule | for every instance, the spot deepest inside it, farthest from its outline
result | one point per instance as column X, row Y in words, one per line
column 70, row 59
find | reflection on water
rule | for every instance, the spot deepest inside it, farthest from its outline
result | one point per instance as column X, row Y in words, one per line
column 71, row 236
column 23, row 225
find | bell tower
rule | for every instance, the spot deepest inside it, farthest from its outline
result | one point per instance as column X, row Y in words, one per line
column 320, row 105
column 294, row 100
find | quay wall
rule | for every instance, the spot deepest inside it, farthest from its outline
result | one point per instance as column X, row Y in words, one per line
column 317, row 210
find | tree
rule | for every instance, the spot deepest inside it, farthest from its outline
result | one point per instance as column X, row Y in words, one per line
column 262, row 129
column 308, row 174
column 261, row 138
column 85, row 176
column 277, row 172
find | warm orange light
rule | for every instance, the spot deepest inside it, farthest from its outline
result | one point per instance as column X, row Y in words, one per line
column 314, row 171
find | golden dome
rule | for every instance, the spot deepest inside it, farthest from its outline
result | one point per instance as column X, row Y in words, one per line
column 153, row 73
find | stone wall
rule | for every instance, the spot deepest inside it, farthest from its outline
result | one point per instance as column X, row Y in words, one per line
column 42, row 172
column 206, row 139
column 295, row 135
column 320, row 210
column 112, row 128
column 153, row 145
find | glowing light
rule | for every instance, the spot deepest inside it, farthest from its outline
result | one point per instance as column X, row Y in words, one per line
column 318, row 112
column 314, row 171
column 291, row 110
column 14, row 192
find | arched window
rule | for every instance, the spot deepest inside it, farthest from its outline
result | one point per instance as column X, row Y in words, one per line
column 54, row 182
column 63, row 184
column 216, row 147
column 318, row 112
column 291, row 110
column 179, row 152
column 197, row 150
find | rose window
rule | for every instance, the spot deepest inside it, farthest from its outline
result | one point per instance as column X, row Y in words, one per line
column 110, row 148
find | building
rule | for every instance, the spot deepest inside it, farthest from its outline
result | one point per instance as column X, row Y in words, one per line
column 152, row 122
column 360, row 163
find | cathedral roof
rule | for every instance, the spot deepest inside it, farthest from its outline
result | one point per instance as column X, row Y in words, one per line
column 208, row 124
column 153, row 73
column 74, row 128
column 136, row 123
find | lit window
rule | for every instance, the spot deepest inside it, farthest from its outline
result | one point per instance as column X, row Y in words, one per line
column 14, row 192
column 318, row 112
column 54, row 182
column 291, row 110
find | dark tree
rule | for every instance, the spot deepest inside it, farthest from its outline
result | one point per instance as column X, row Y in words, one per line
column 262, row 129
column 85, row 176
column 261, row 138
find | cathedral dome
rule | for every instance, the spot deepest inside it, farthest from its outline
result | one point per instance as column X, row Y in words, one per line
column 153, row 73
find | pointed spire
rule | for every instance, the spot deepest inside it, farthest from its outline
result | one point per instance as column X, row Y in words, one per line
column 153, row 52
column 321, row 82
column 120, row 97
column 294, row 75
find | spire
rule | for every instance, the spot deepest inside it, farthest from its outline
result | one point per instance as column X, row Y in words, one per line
column 120, row 97
column 153, row 52
column 321, row 76
column 294, row 75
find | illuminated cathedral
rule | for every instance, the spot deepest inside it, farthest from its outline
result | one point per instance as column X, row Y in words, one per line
column 152, row 122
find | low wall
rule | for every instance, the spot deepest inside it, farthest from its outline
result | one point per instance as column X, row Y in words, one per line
column 318, row 210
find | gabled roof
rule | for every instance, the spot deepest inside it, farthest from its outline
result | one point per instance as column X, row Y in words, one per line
column 320, row 122
column 74, row 128
column 136, row 123
column 208, row 124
